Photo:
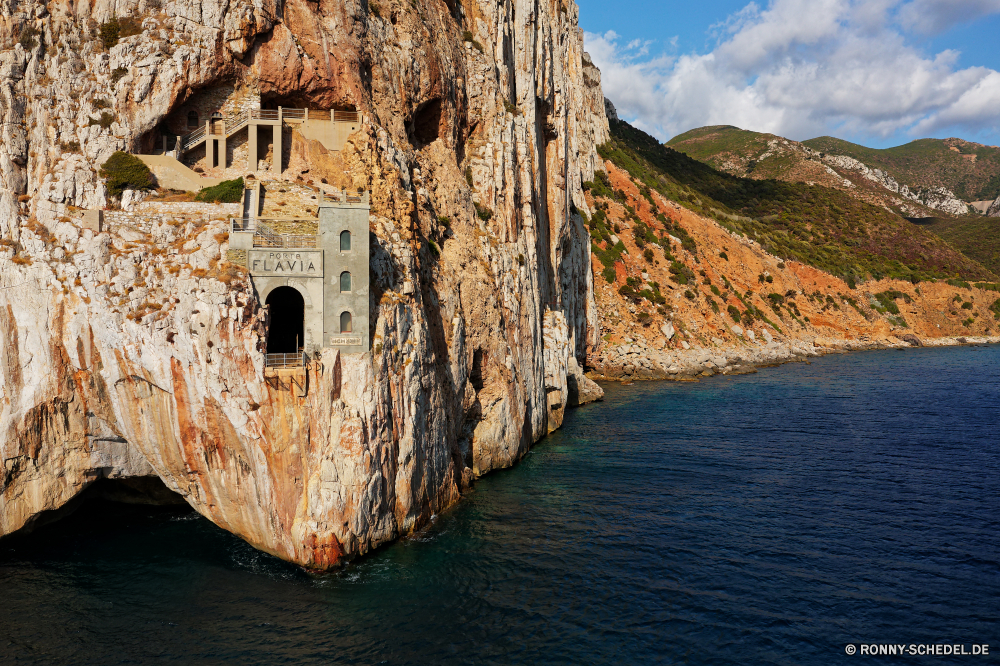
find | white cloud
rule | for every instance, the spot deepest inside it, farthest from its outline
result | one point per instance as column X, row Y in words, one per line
column 801, row 68
column 935, row 16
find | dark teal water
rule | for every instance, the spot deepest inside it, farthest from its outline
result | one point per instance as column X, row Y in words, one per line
column 764, row 519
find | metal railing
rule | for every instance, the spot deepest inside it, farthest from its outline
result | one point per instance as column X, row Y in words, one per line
column 266, row 237
column 233, row 124
column 236, row 123
column 297, row 360
column 346, row 197
column 190, row 139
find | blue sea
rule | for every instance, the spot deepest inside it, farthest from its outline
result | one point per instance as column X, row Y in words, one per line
column 774, row 518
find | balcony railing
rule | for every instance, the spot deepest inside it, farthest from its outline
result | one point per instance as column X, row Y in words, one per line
column 232, row 124
column 266, row 237
column 298, row 360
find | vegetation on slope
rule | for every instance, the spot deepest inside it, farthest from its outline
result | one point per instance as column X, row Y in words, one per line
column 970, row 170
column 976, row 237
column 123, row 172
column 228, row 191
column 822, row 227
column 737, row 151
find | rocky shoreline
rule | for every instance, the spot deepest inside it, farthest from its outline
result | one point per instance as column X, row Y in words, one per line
column 636, row 361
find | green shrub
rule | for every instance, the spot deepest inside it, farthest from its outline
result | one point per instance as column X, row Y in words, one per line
column 105, row 121
column 600, row 186
column 126, row 172
column 609, row 274
column 734, row 313
column 27, row 38
column 109, row 32
column 228, row 191
column 680, row 273
column 117, row 75
column 995, row 309
column 484, row 214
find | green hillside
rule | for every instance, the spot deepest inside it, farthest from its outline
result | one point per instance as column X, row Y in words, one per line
column 705, row 144
column 737, row 151
column 823, row 227
column 977, row 237
column 970, row 170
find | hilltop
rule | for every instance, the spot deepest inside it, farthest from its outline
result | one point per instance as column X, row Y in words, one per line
column 924, row 178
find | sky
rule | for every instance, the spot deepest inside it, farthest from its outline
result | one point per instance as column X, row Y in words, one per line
column 876, row 72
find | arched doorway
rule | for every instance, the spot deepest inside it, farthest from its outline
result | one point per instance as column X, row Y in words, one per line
column 285, row 310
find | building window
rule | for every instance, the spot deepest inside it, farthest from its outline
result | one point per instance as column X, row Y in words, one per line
column 345, row 241
column 346, row 322
column 192, row 119
column 345, row 282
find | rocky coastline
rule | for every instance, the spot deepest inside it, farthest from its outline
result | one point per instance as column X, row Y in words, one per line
column 638, row 362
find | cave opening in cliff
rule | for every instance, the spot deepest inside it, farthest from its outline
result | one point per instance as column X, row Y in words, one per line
column 426, row 125
column 479, row 358
column 285, row 313
column 105, row 504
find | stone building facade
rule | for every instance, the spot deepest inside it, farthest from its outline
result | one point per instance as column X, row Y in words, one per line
column 319, row 295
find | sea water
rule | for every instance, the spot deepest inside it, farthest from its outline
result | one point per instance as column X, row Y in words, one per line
column 774, row 518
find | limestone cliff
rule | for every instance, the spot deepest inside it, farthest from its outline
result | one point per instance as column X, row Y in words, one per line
column 138, row 350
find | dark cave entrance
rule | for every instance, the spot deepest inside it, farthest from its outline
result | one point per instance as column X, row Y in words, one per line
column 426, row 125
column 285, row 316
column 107, row 502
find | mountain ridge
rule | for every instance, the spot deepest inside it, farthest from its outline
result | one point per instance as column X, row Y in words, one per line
column 923, row 178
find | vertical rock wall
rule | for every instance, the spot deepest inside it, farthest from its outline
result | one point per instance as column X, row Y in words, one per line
column 138, row 351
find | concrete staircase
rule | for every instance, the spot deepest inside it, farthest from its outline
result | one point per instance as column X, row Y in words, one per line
column 173, row 175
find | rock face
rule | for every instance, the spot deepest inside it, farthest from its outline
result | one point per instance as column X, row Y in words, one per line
column 937, row 198
column 138, row 350
column 994, row 209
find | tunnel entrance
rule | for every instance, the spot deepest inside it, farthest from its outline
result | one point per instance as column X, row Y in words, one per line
column 285, row 314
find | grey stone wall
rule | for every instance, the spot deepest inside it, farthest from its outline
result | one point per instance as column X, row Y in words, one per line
column 334, row 219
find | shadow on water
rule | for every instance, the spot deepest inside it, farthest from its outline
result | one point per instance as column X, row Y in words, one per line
column 765, row 519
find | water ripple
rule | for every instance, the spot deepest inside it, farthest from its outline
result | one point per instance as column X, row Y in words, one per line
column 764, row 519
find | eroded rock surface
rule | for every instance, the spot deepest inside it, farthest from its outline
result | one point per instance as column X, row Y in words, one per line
column 139, row 349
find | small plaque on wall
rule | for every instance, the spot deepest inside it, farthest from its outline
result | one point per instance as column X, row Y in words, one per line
column 340, row 341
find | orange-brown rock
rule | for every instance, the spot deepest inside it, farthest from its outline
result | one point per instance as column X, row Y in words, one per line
column 138, row 351
column 799, row 310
